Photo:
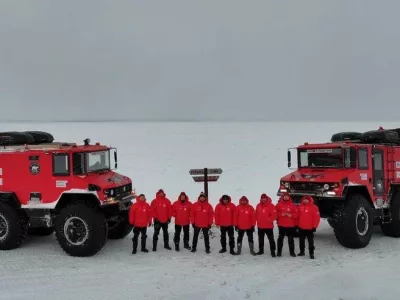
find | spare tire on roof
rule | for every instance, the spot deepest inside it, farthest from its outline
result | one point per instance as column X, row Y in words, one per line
column 15, row 138
column 345, row 136
column 41, row 137
column 380, row 136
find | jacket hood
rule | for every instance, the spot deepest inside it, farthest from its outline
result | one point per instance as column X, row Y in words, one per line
column 269, row 200
column 222, row 199
column 243, row 200
column 202, row 194
column 158, row 194
column 309, row 198
column 287, row 197
column 138, row 200
column 183, row 194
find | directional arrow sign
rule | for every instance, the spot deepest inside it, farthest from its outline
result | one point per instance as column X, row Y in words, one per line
column 202, row 172
column 202, row 179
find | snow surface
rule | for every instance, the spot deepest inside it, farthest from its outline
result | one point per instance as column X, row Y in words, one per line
column 159, row 155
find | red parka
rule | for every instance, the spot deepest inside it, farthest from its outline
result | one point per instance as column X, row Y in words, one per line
column 309, row 216
column 161, row 207
column 225, row 213
column 265, row 213
column 287, row 212
column 202, row 214
column 140, row 214
column 245, row 214
column 181, row 210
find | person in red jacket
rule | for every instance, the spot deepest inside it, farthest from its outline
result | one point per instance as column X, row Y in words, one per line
column 140, row 216
column 265, row 216
column 308, row 222
column 202, row 217
column 225, row 213
column 245, row 222
column 287, row 222
column 181, row 212
column 162, row 214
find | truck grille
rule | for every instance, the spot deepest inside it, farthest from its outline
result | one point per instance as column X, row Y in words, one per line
column 306, row 186
column 119, row 191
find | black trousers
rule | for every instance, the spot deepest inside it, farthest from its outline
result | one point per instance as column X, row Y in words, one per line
column 249, row 233
column 270, row 236
column 289, row 232
column 309, row 234
column 230, row 231
column 196, row 237
column 136, row 232
column 177, row 236
column 157, row 227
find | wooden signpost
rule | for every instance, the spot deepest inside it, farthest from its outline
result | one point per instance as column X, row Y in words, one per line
column 205, row 175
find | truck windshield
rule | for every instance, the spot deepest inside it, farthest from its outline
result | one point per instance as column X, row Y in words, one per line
column 321, row 158
column 86, row 162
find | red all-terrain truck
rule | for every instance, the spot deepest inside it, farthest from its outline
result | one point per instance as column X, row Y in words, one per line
column 355, row 181
column 69, row 189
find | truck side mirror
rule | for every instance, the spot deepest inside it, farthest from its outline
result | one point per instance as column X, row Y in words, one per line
column 115, row 159
column 289, row 159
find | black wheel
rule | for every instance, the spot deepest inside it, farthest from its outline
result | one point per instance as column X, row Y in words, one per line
column 119, row 229
column 331, row 222
column 81, row 230
column 15, row 138
column 11, row 228
column 41, row 231
column 345, row 136
column 356, row 223
column 392, row 229
column 41, row 136
column 380, row 136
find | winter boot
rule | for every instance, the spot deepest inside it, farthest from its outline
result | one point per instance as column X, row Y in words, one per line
column 272, row 249
column 239, row 250
column 208, row 251
column 134, row 247
column 261, row 251
column 312, row 253
column 251, row 246
column 232, row 251
column 144, row 247
column 291, row 247
column 186, row 246
column 193, row 250
column 280, row 246
column 223, row 250
column 301, row 253
column 176, row 247
column 154, row 246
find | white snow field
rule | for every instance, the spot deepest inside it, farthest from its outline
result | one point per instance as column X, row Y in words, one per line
column 159, row 155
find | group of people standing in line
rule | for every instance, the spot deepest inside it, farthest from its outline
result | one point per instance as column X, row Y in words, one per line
column 229, row 217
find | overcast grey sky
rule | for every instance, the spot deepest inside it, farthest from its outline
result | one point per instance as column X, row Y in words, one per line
column 205, row 59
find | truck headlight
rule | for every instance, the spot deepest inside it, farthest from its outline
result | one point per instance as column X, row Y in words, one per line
column 287, row 185
column 326, row 186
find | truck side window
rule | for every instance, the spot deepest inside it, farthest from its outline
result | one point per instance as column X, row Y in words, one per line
column 350, row 161
column 363, row 159
column 60, row 164
column 78, row 163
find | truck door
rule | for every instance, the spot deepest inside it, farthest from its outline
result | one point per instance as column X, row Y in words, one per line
column 378, row 173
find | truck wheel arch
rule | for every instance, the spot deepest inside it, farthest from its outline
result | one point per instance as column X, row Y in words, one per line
column 360, row 190
column 73, row 198
column 10, row 199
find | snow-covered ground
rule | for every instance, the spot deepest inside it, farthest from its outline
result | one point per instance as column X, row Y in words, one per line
column 159, row 155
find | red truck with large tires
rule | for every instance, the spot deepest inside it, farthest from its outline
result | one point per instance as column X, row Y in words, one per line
column 71, row 190
column 355, row 180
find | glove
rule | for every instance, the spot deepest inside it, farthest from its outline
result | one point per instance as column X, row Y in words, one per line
column 169, row 221
column 314, row 230
column 252, row 229
column 150, row 224
column 209, row 227
column 194, row 226
column 237, row 229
